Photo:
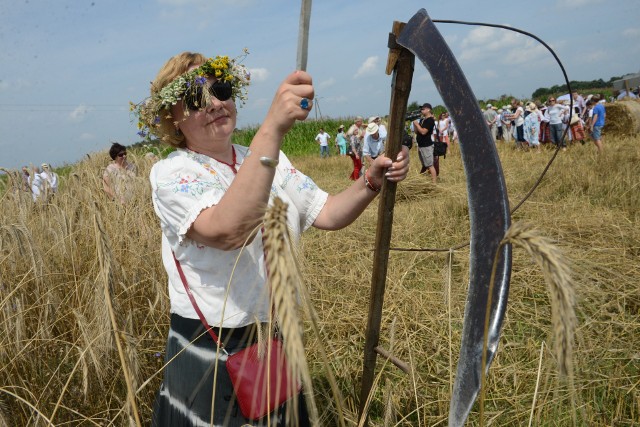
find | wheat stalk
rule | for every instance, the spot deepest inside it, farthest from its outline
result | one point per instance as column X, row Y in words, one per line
column 559, row 285
column 284, row 280
column 104, row 256
column 557, row 276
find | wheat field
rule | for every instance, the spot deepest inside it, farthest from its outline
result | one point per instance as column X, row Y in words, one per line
column 84, row 303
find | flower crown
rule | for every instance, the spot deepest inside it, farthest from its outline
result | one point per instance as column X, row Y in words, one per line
column 149, row 111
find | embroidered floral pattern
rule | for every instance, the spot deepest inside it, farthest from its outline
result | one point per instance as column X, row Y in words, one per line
column 307, row 184
column 192, row 185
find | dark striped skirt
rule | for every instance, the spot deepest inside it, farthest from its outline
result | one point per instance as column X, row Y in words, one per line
column 186, row 394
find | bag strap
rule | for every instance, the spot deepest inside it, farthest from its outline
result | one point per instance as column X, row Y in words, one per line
column 194, row 303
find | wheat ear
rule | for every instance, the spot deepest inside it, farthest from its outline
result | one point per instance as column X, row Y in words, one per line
column 284, row 280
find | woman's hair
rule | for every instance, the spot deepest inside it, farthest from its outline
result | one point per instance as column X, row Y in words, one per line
column 175, row 66
column 115, row 149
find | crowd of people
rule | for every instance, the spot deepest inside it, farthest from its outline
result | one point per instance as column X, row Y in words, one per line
column 528, row 125
column 41, row 182
column 533, row 123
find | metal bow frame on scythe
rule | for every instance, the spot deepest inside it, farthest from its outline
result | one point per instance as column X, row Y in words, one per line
column 488, row 211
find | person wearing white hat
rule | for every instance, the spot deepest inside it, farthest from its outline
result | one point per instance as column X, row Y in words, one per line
column 382, row 129
column 373, row 143
column 341, row 141
column 491, row 117
column 532, row 126
column 505, row 119
column 50, row 178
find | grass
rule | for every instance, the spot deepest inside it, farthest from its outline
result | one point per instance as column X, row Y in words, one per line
column 61, row 361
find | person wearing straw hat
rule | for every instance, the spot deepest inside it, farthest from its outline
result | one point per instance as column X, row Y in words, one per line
column 373, row 143
column 210, row 197
column 50, row 178
column 382, row 129
column 532, row 126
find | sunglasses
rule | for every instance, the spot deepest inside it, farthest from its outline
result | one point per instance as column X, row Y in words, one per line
column 194, row 98
column 552, row 100
column 122, row 154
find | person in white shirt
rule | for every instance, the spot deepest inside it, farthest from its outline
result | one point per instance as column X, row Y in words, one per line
column 624, row 94
column 36, row 182
column 554, row 114
column 50, row 178
column 373, row 143
column 382, row 129
column 322, row 138
column 210, row 197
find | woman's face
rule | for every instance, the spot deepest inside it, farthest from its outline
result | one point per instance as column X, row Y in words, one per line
column 121, row 158
column 215, row 122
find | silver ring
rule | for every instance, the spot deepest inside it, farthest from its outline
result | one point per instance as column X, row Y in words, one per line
column 304, row 104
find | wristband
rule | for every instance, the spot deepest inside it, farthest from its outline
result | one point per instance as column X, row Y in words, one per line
column 368, row 183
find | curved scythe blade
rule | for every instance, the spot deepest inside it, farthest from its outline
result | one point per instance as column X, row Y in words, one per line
column 488, row 209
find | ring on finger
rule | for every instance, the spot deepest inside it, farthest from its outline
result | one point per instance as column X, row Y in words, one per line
column 305, row 104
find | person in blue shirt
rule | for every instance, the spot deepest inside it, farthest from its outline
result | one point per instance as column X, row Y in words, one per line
column 597, row 123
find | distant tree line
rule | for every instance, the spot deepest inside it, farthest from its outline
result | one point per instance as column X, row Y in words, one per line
column 542, row 92
column 600, row 86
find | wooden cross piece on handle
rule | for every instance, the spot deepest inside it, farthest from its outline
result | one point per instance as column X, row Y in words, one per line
column 401, row 63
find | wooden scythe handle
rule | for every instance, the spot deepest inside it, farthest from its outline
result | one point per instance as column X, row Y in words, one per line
column 402, row 62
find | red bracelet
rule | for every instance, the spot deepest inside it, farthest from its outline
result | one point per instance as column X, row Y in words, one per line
column 368, row 183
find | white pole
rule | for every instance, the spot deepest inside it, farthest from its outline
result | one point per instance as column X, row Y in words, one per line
column 303, row 35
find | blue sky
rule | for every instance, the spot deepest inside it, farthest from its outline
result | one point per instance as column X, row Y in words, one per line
column 68, row 68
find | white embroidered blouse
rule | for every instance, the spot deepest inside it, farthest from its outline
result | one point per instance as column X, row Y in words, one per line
column 186, row 183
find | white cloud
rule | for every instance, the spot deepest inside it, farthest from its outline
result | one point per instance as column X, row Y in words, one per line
column 576, row 3
column 489, row 74
column 631, row 32
column 87, row 137
column 594, row 56
column 80, row 113
column 530, row 52
column 340, row 99
column 367, row 67
column 485, row 42
column 326, row 83
column 14, row 85
column 259, row 74
column 500, row 46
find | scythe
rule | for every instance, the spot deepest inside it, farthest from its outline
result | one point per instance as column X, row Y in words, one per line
column 488, row 214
